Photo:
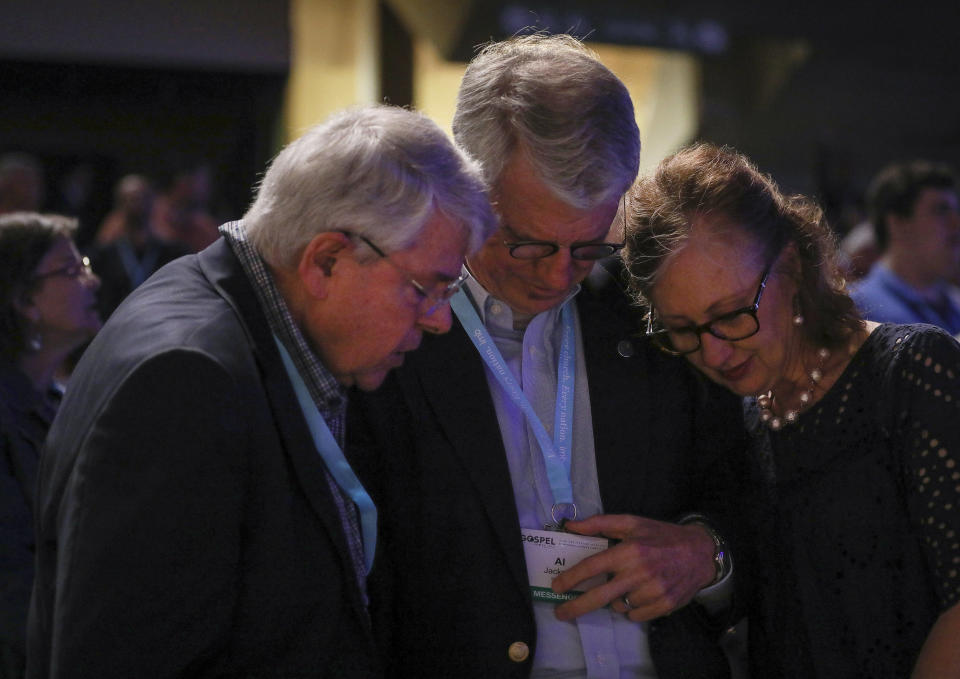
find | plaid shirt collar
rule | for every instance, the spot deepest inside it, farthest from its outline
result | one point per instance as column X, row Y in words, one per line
column 329, row 395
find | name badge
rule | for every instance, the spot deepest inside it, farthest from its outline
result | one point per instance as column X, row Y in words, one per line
column 550, row 553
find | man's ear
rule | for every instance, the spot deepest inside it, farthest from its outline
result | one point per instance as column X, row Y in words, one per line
column 319, row 259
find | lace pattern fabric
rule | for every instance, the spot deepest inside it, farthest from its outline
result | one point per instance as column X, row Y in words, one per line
column 861, row 550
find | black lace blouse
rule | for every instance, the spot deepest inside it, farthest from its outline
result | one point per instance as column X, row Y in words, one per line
column 857, row 548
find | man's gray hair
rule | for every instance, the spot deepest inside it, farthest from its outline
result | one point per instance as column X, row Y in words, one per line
column 551, row 98
column 375, row 171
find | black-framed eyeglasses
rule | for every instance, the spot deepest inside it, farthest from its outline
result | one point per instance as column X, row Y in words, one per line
column 586, row 251
column 736, row 325
column 435, row 299
column 72, row 270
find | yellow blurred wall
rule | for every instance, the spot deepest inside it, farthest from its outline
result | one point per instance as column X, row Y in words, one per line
column 335, row 64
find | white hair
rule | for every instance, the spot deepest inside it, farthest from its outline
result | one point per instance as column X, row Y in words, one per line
column 551, row 98
column 375, row 171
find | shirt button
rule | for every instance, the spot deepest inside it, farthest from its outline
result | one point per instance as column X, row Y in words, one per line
column 495, row 308
column 601, row 659
column 518, row 651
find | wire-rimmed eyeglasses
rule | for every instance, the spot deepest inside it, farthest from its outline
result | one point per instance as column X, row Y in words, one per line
column 587, row 251
column 435, row 299
column 72, row 270
column 736, row 325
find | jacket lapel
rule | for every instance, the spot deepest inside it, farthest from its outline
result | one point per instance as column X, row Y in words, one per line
column 469, row 421
column 617, row 372
column 223, row 270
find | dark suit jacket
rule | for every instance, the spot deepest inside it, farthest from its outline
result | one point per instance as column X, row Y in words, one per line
column 185, row 526
column 452, row 592
column 25, row 418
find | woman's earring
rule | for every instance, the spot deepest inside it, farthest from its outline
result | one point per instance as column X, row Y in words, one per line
column 797, row 314
column 35, row 343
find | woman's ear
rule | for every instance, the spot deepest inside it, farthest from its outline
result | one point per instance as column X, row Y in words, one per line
column 26, row 308
column 318, row 261
column 790, row 260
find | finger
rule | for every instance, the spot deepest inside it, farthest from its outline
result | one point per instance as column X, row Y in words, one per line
column 651, row 612
column 622, row 605
column 616, row 526
column 591, row 600
column 628, row 603
column 599, row 564
column 642, row 609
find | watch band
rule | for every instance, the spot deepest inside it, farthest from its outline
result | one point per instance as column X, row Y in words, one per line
column 721, row 560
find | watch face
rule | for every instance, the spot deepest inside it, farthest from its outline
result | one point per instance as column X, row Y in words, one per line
column 720, row 561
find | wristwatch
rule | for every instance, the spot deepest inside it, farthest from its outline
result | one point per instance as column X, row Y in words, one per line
column 721, row 558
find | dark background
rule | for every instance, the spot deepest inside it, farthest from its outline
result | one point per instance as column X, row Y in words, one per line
column 820, row 94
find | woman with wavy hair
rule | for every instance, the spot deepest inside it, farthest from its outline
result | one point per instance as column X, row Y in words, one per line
column 854, row 568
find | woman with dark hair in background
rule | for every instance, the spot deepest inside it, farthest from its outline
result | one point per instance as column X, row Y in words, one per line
column 855, row 424
column 47, row 309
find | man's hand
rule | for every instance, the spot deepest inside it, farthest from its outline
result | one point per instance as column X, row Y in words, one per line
column 659, row 567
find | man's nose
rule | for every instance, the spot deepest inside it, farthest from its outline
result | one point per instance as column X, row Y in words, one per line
column 557, row 270
column 436, row 321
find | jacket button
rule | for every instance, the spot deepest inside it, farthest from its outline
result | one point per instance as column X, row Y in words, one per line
column 625, row 348
column 518, row 651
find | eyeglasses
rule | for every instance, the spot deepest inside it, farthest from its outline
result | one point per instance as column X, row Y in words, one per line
column 736, row 325
column 587, row 251
column 436, row 299
column 73, row 270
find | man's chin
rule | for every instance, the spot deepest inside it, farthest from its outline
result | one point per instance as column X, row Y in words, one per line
column 369, row 381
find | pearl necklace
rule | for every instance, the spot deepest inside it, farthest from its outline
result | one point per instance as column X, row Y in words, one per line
column 765, row 401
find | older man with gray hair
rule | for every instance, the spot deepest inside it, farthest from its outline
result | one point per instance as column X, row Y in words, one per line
column 542, row 411
column 197, row 515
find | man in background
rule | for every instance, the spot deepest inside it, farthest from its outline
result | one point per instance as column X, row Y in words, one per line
column 22, row 187
column 126, row 250
column 915, row 211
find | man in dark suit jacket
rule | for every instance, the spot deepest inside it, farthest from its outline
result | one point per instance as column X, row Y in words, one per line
column 195, row 514
column 461, row 471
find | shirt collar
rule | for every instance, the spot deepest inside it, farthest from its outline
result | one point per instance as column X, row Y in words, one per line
column 483, row 300
column 324, row 389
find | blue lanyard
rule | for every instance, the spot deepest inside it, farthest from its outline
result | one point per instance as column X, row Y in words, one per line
column 332, row 455
column 555, row 451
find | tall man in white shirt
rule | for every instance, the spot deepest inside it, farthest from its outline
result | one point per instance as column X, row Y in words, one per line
column 540, row 407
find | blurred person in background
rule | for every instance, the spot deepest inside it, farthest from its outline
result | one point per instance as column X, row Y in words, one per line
column 182, row 210
column 22, row 187
column 47, row 308
column 859, row 251
column 855, row 440
column 127, row 250
column 915, row 211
